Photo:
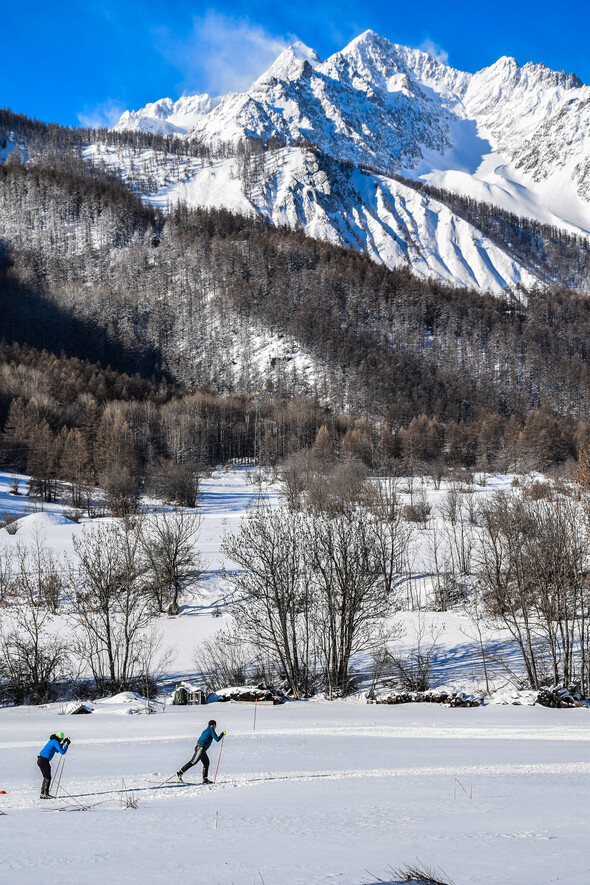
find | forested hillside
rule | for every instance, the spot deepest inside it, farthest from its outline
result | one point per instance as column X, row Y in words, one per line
column 213, row 300
column 399, row 221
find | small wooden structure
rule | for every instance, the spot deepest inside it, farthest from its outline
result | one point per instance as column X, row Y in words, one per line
column 186, row 693
column 196, row 696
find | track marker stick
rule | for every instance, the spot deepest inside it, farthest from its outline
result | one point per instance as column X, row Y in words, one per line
column 255, row 709
column 219, row 759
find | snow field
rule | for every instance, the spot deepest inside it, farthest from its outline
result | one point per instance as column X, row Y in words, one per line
column 225, row 497
column 319, row 793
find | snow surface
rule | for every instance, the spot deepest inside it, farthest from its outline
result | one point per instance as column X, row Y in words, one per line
column 319, row 793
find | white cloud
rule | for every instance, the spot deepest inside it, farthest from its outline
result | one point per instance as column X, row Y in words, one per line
column 223, row 54
column 106, row 113
column 436, row 51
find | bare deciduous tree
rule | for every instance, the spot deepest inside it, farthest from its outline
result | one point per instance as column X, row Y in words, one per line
column 31, row 657
column 227, row 659
column 5, row 574
column 413, row 669
column 109, row 603
column 274, row 606
column 351, row 596
column 534, row 575
column 174, row 482
column 293, row 474
column 313, row 590
column 168, row 539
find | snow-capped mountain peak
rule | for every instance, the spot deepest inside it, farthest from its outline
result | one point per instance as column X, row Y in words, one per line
column 290, row 64
column 373, row 59
column 368, row 43
column 517, row 136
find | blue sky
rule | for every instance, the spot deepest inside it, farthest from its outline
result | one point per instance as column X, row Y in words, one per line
column 84, row 62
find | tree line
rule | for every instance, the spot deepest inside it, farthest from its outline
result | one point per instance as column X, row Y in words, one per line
column 72, row 425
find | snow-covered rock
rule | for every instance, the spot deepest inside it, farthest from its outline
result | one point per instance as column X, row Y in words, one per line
column 167, row 117
column 124, row 697
column 75, row 708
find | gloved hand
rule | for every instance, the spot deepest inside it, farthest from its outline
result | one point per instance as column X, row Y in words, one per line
column 223, row 733
column 67, row 741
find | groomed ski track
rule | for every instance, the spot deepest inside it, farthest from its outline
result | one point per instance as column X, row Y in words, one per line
column 434, row 732
column 319, row 794
column 89, row 792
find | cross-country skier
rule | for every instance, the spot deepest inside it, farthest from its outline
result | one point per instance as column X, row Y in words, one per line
column 57, row 743
column 200, row 754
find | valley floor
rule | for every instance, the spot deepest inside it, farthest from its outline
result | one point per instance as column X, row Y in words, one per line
column 319, row 793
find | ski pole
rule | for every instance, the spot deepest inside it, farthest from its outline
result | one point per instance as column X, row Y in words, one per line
column 63, row 762
column 57, row 774
column 219, row 758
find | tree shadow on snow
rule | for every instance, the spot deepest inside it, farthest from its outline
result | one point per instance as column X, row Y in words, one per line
column 465, row 661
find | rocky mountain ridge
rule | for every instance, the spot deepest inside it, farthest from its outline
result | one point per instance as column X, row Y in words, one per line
column 514, row 136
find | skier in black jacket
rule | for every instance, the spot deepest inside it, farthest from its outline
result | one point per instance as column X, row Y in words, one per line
column 200, row 754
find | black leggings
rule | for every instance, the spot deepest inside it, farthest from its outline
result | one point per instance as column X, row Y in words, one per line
column 200, row 755
column 45, row 767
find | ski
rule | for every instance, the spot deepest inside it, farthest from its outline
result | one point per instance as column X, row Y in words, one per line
column 172, row 783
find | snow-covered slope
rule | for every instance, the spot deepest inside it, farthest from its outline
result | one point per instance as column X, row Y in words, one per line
column 392, row 222
column 515, row 136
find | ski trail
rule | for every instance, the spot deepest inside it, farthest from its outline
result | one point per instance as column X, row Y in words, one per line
column 384, row 731
column 82, row 792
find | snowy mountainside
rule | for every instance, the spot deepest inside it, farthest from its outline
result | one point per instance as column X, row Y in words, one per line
column 346, row 206
column 518, row 137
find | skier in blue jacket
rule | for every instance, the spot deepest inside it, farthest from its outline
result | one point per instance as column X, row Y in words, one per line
column 200, row 754
column 57, row 743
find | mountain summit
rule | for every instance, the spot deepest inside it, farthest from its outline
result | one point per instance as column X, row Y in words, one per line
column 291, row 63
column 516, row 137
